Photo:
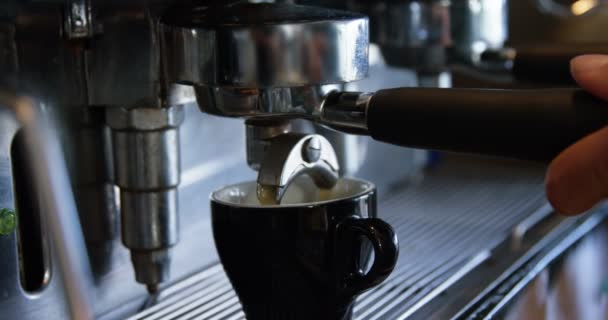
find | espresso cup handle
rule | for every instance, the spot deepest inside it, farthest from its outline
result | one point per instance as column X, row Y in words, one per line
column 386, row 250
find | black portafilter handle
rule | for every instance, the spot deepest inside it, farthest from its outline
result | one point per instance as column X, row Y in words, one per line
column 548, row 64
column 522, row 124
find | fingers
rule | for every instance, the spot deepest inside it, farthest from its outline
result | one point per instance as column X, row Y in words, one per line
column 578, row 178
column 591, row 73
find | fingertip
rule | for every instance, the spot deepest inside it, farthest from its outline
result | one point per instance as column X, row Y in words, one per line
column 559, row 195
column 578, row 178
column 591, row 73
column 588, row 63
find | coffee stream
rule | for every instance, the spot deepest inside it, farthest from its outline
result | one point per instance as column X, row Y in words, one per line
column 269, row 195
column 324, row 194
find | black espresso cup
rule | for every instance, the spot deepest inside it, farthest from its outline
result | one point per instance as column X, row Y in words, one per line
column 307, row 258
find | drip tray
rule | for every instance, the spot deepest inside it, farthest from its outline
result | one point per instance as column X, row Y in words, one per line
column 461, row 208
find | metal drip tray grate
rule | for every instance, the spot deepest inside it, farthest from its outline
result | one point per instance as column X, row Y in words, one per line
column 458, row 210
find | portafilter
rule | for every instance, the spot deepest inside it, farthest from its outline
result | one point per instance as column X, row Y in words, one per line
column 279, row 61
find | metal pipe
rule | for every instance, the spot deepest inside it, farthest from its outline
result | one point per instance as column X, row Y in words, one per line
column 147, row 170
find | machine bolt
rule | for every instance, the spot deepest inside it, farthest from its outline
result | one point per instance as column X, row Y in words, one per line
column 8, row 221
column 311, row 150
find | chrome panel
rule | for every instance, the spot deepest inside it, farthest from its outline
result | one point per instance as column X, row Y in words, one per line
column 265, row 45
column 568, row 284
column 14, row 302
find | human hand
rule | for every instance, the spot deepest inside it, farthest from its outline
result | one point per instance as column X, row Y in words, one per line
column 578, row 178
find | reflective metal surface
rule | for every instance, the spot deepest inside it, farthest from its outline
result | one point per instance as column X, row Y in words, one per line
column 76, row 82
column 295, row 102
column 80, row 58
column 78, row 19
column 147, row 169
column 255, row 60
column 486, row 199
column 572, row 286
column 291, row 155
column 149, row 229
column 478, row 25
column 346, row 111
column 410, row 33
column 264, row 45
column 259, row 137
column 15, row 303
column 501, row 298
column 51, row 178
column 568, row 8
column 127, row 31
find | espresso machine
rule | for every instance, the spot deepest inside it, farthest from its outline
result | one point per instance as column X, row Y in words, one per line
column 121, row 117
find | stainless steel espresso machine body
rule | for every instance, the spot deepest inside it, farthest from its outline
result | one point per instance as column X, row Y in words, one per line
column 123, row 84
column 95, row 70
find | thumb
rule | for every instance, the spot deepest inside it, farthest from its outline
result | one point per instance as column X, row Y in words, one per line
column 578, row 178
column 591, row 73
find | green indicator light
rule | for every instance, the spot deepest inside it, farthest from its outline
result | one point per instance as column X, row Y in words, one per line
column 8, row 221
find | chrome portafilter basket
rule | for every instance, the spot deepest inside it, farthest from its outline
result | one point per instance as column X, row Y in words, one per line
column 264, row 60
